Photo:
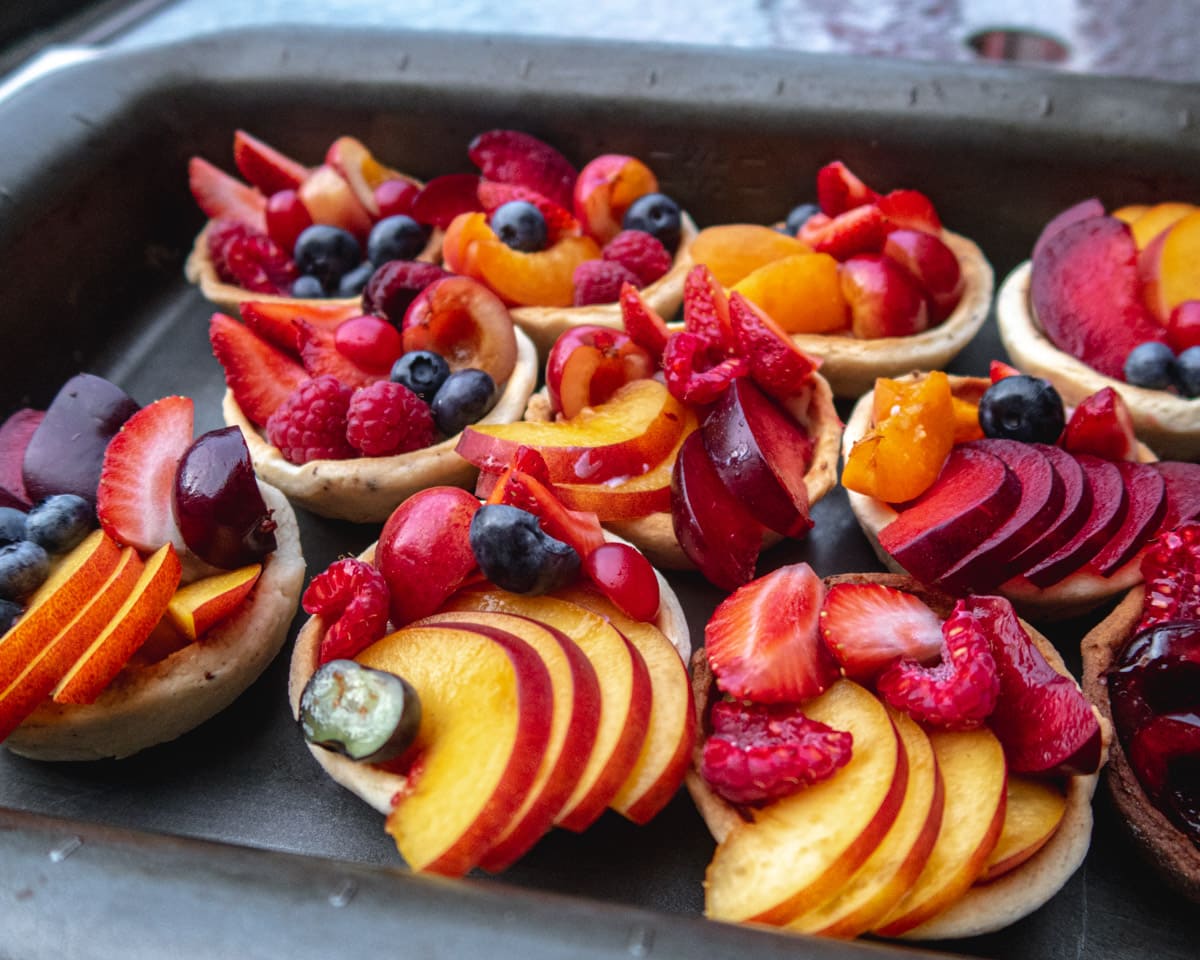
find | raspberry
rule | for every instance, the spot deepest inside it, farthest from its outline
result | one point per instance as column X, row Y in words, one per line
column 249, row 259
column 311, row 423
column 761, row 752
column 354, row 595
column 640, row 253
column 960, row 692
column 599, row 281
column 692, row 371
column 1171, row 569
column 395, row 285
column 386, row 418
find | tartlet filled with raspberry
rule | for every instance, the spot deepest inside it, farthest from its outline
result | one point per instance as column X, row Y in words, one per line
column 1113, row 300
column 876, row 758
column 871, row 283
column 973, row 486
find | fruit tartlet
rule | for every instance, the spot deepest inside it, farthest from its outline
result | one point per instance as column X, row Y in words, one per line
column 871, row 283
column 349, row 412
column 1113, row 300
column 877, row 758
column 978, row 486
column 487, row 671
column 1139, row 668
column 698, row 445
column 146, row 578
column 556, row 244
column 297, row 233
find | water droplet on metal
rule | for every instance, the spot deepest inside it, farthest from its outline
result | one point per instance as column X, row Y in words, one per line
column 342, row 896
column 641, row 941
column 65, row 849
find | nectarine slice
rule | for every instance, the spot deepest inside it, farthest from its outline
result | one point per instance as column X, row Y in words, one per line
column 1033, row 810
column 486, row 706
column 1154, row 220
column 544, row 279
column 625, row 693
column 204, row 603
column 801, row 850
column 1174, row 278
column 975, row 777
column 801, row 293
column 733, row 251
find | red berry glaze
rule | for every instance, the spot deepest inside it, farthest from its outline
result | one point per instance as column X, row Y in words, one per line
column 1171, row 570
column 311, row 423
column 387, row 418
column 354, row 596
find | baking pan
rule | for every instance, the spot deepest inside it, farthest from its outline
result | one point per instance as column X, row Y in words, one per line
column 231, row 839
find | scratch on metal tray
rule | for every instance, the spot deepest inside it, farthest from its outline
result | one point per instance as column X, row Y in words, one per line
column 1081, row 946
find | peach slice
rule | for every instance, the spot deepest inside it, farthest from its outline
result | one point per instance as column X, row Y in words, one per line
column 975, row 776
column 804, row 848
column 895, row 865
column 545, row 278
column 1130, row 212
column 1168, row 267
column 671, row 729
column 625, row 693
column 486, row 705
column 1033, row 810
column 129, row 628
column 328, row 198
column 359, row 168
column 622, row 438
column 573, row 727
column 733, row 251
column 604, row 190
column 200, row 605
column 1154, row 220
column 802, row 293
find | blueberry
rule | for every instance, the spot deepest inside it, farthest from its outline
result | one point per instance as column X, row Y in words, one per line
column 60, row 522
column 12, row 525
column 368, row 715
column 1150, row 365
column 353, row 283
column 9, row 612
column 516, row 554
column 396, row 238
column 24, row 567
column 1022, row 408
column 327, row 253
column 658, row 215
column 422, row 371
column 799, row 216
column 520, row 225
column 464, row 397
column 307, row 287
column 1187, row 372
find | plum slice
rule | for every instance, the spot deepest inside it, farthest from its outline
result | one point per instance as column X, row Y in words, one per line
column 1147, row 505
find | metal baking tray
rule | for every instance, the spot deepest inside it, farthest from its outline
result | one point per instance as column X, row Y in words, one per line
column 230, row 841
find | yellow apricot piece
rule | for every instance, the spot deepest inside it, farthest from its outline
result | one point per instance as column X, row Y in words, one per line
column 1157, row 219
column 802, row 293
column 735, row 250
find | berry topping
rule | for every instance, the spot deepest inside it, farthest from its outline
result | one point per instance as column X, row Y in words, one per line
column 260, row 375
column 776, row 363
column 510, row 156
column 398, row 237
column 640, row 254
column 1102, row 426
column 1183, row 326
column 1171, row 569
column 520, row 225
column 370, row 342
column 387, row 418
column 249, row 259
column 395, row 196
column 693, row 375
column 960, row 692
column 516, row 554
column 706, row 309
column 395, row 285
column 305, row 287
column 221, row 196
column 1150, row 365
column 1187, row 372
column 868, row 627
column 287, row 218
column 422, row 371
column 658, row 215
column 1022, row 408
column 600, row 281
column 367, row 715
column 311, row 423
column 352, row 596
column 12, row 525
column 264, row 166
column 463, row 398
column 24, row 567
column 763, row 642
column 760, row 752
column 327, row 253
column 444, row 198
column 839, row 190
column 320, row 356
column 60, row 522
column 559, row 221
column 860, row 230
column 354, row 282
column 625, row 576
column 644, row 326
column 799, row 215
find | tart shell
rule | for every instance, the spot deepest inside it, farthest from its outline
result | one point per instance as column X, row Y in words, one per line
column 367, row 489
column 985, row 907
column 1168, row 423
column 1164, row 846
column 150, row 704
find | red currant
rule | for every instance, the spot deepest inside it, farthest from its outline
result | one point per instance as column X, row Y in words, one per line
column 626, row 578
column 371, row 342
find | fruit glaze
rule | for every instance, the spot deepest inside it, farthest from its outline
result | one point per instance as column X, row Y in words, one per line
column 1139, row 668
column 974, row 486
column 485, row 672
column 871, row 283
column 876, row 757
column 121, row 637
column 1113, row 300
column 698, row 444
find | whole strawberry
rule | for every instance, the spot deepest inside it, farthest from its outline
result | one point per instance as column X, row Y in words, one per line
column 311, row 423
column 387, row 418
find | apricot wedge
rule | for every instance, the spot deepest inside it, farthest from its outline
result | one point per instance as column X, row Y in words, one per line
column 802, row 293
column 733, row 251
column 1168, row 266
column 199, row 606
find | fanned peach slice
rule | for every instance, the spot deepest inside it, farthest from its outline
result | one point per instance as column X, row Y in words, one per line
column 486, row 705
column 1032, row 812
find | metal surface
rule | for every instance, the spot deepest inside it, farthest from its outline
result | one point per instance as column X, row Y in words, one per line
column 96, row 221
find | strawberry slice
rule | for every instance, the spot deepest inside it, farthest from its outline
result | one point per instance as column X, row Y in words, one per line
column 275, row 321
column 839, row 190
column 264, row 166
column 510, row 156
column 220, row 196
column 776, row 363
column 560, row 222
column 1102, row 426
column 909, row 210
column 998, row 370
column 868, row 627
column 642, row 322
column 261, row 376
column 706, row 309
column 578, row 528
column 763, row 641
column 135, row 497
column 444, row 198
column 319, row 355
column 860, row 230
